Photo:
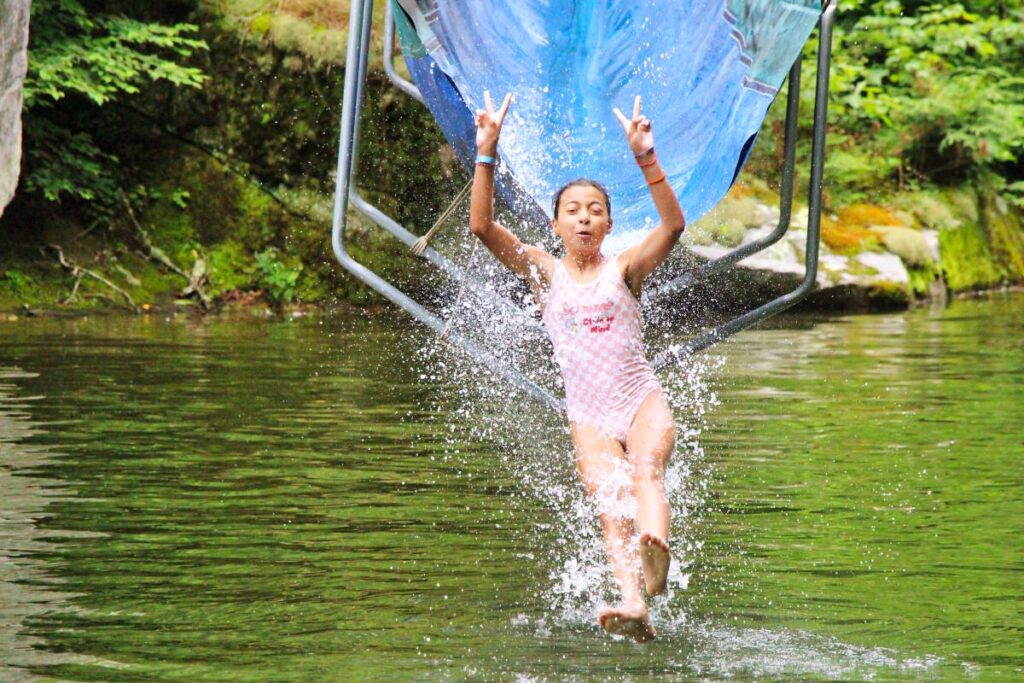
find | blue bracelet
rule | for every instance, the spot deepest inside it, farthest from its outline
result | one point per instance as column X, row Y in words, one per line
column 484, row 159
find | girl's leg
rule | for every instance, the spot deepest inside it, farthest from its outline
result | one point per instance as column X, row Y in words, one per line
column 649, row 443
column 602, row 466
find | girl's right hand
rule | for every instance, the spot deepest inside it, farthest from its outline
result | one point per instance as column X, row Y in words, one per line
column 488, row 124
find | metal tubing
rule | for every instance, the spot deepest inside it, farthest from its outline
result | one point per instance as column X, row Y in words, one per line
column 356, row 59
column 817, row 184
column 396, row 229
column 677, row 353
column 355, row 77
column 402, row 84
column 364, row 62
column 785, row 202
column 379, row 217
column 343, row 171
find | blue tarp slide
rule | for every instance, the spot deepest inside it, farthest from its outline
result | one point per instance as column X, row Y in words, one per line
column 707, row 71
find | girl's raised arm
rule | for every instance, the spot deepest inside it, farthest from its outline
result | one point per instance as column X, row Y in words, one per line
column 525, row 260
column 656, row 246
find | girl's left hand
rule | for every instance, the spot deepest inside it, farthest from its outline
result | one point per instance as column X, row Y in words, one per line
column 638, row 129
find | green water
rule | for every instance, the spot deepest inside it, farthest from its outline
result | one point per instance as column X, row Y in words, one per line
column 248, row 500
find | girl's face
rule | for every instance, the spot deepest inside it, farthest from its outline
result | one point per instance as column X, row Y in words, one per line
column 583, row 220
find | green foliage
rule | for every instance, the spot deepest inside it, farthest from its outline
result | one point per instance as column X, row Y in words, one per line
column 1005, row 234
column 967, row 260
column 62, row 163
column 276, row 277
column 927, row 90
column 17, row 282
column 90, row 59
column 230, row 268
column 102, row 56
column 922, row 276
column 922, row 95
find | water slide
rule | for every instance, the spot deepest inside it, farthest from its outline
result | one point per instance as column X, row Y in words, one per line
column 707, row 70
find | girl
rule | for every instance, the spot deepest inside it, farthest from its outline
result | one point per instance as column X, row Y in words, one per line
column 621, row 425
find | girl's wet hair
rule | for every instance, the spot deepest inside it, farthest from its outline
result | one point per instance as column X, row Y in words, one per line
column 582, row 182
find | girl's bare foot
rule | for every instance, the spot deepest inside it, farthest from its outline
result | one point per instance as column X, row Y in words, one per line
column 654, row 559
column 627, row 620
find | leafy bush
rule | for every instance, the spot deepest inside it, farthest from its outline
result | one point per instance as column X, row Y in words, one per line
column 90, row 59
column 928, row 92
column 17, row 282
column 922, row 94
column 276, row 277
column 230, row 268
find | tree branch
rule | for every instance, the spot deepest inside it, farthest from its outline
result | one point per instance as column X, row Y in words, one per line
column 197, row 279
column 78, row 271
column 155, row 253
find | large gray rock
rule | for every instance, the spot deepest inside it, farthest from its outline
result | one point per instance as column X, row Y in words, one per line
column 13, row 62
column 865, row 280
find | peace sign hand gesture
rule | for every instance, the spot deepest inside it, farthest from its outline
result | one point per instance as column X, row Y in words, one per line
column 638, row 129
column 488, row 124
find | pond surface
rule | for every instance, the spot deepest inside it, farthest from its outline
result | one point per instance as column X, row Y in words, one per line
column 316, row 499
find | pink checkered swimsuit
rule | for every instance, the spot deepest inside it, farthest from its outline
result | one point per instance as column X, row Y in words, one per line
column 595, row 328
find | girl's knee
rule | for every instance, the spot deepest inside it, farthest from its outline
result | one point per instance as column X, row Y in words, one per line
column 593, row 468
column 648, row 469
column 653, row 430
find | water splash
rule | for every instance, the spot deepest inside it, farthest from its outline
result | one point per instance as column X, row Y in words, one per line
column 535, row 451
column 534, row 442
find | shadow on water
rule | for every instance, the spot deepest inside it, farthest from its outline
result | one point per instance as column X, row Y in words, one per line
column 338, row 498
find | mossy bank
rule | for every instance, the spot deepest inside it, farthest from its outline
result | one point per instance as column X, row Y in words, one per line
column 228, row 189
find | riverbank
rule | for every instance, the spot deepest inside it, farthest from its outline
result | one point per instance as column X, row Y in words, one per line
column 872, row 257
column 227, row 200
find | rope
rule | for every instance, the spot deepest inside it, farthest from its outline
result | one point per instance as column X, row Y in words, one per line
column 462, row 289
column 421, row 244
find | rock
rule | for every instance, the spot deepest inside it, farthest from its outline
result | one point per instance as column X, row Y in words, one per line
column 799, row 218
column 929, row 211
column 13, row 63
column 931, row 237
column 887, row 268
column 865, row 280
column 782, row 251
column 910, row 245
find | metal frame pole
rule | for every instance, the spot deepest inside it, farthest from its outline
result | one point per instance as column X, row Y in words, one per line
column 359, row 202
column 679, row 352
column 356, row 58
column 402, row 84
column 785, row 202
